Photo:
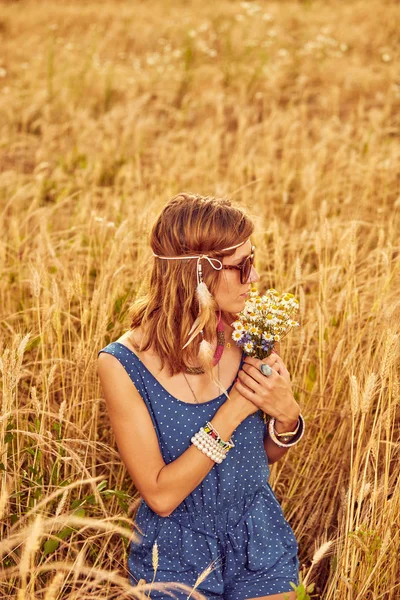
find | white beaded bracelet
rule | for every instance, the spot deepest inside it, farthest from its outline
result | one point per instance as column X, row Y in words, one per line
column 208, row 440
column 208, row 446
column 209, row 452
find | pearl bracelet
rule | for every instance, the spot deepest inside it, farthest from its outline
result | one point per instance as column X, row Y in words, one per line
column 295, row 439
column 210, row 444
column 208, row 440
column 202, row 444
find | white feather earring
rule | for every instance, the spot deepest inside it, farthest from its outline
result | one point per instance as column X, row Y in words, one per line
column 203, row 295
column 206, row 353
column 206, row 307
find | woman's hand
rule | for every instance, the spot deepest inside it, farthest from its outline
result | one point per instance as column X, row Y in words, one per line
column 272, row 394
column 240, row 406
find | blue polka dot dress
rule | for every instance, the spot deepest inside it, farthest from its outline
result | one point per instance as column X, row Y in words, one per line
column 232, row 519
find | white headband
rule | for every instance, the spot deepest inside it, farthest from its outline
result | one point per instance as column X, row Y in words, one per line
column 214, row 262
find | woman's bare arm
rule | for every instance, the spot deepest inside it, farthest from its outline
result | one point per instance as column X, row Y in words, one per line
column 163, row 486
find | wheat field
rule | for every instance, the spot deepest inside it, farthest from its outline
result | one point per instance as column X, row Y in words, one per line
column 107, row 110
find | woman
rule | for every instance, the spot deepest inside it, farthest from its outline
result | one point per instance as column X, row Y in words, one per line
column 205, row 492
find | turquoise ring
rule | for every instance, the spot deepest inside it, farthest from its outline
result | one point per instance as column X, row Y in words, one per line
column 265, row 369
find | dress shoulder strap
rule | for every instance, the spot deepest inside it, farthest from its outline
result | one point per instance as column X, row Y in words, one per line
column 136, row 371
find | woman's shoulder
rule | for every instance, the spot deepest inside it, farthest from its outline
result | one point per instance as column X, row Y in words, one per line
column 131, row 339
column 123, row 351
column 127, row 338
column 114, row 348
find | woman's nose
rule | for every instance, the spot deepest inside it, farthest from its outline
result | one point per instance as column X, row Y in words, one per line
column 254, row 276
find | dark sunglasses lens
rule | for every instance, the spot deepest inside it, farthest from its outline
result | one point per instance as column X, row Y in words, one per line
column 246, row 270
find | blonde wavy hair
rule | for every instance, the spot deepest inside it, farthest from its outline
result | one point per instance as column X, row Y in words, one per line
column 188, row 224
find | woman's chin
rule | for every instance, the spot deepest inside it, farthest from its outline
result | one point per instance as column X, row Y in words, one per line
column 234, row 307
column 240, row 303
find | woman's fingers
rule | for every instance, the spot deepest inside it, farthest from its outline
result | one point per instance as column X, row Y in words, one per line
column 252, row 385
column 273, row 360
column 247, row 393
column 269, row 360
column 273, row 393
column 255, row 373
column 282, row 368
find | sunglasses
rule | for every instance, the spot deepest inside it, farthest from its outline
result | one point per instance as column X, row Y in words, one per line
column 244, row 267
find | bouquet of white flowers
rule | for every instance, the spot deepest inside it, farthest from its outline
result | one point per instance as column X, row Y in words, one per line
column 263, row 321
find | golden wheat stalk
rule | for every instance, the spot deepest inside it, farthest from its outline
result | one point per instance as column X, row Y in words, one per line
column 154, row 561
column 317, row 557
column 204, row 574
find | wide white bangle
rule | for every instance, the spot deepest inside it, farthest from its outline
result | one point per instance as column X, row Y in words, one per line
column 296, row 438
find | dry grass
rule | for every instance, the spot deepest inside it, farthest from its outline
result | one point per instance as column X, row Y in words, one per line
column 107, row 110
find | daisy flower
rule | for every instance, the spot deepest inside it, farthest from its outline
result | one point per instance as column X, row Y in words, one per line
column 237, row 335
column 267, row 336
column 248, row 347
column 253, row 330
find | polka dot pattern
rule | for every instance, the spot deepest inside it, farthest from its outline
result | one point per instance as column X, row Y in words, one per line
column 233, row 517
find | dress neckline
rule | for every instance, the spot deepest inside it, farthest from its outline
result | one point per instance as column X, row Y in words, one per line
column 169, row 393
